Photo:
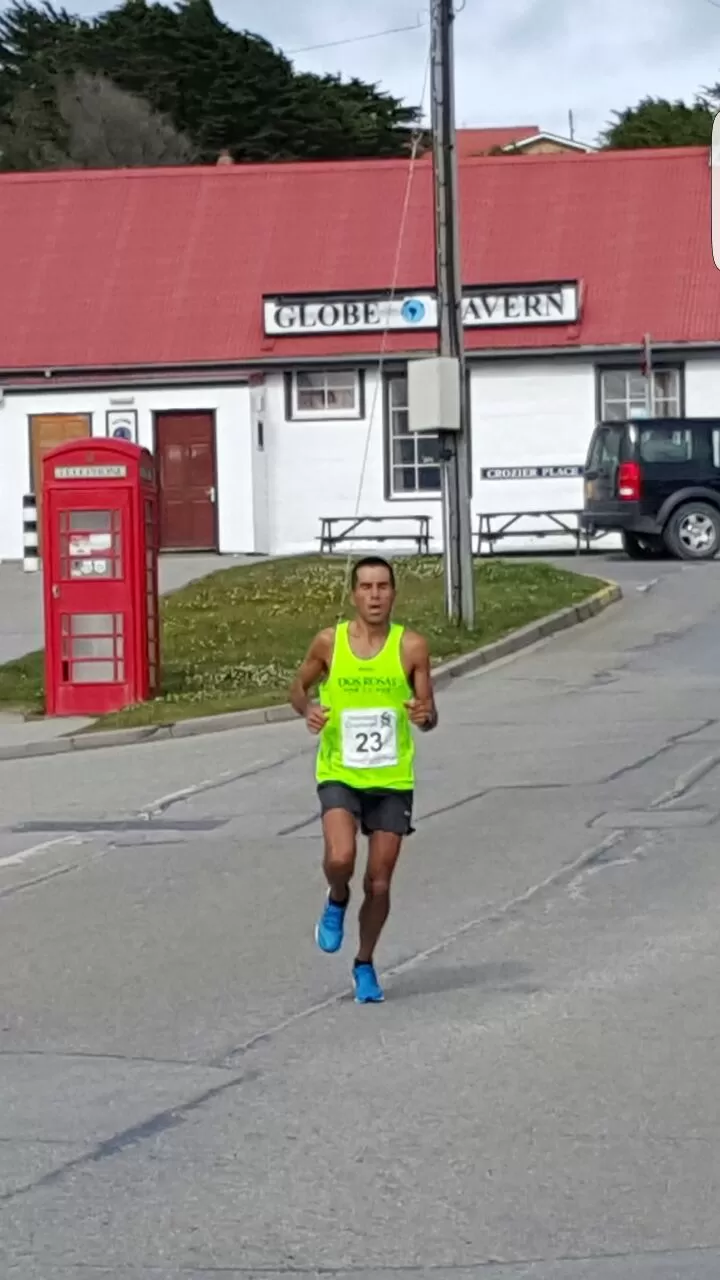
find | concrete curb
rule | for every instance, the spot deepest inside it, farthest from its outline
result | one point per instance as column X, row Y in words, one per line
column 443, row 676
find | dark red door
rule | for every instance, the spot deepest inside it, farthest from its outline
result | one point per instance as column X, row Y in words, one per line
column 185, row 447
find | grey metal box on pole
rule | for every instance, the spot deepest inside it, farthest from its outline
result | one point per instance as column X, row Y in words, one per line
column 434, row 394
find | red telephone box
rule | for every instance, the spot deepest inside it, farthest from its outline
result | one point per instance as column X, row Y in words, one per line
column 100, row 580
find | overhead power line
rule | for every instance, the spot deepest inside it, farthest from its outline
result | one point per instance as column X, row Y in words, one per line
column 370, row 35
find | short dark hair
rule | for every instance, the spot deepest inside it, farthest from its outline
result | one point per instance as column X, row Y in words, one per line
column 371, row 562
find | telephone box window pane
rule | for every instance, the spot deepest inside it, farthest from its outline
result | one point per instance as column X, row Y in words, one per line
column 93, row 647
column 93, row 624
column 95, row 568
column 93, row 672
column 91, row 521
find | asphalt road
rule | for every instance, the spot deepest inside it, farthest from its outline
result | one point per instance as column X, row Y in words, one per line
column 185, row 1088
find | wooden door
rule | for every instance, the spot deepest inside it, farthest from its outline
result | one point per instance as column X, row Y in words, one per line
column 185, row 448
column 46, row 431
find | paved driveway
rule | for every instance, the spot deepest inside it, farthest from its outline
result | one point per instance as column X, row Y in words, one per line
column 185, row 1089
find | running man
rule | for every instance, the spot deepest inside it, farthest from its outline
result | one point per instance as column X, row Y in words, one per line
column 373, row 681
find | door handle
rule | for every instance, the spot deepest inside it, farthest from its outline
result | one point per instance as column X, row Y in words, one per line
column 55, row 591
column 211, row 493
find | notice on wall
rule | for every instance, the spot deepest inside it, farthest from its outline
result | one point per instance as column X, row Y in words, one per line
column 553, row 472
column 86, row 544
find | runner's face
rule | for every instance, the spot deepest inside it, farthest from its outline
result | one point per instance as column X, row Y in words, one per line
column 374, row 595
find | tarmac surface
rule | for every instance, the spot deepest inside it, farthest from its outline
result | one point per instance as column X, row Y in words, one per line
column 186, row 1089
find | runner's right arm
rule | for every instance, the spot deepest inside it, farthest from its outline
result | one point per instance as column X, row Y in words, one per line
column 314, row 666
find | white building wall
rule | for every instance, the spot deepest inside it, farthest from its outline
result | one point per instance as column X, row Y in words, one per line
column 524, row 414
column 260, row 479
column 273, row 491
column 329, row 468
column 535, row 413
column 14, row 480
column 702, row 388
column 231, row 406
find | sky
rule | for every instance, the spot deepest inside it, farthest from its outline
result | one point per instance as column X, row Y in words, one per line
column 517, row 61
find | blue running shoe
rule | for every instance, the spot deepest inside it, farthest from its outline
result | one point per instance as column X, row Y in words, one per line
column 330, row 927
column 367, row 987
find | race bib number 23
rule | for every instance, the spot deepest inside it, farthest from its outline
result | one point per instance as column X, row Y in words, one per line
column 369, row 739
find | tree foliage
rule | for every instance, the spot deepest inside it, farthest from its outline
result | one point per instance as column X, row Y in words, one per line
column 655, row 122
column 219, row 88
column 88, row 123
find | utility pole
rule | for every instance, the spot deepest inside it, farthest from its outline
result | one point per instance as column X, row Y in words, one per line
column 455, row 446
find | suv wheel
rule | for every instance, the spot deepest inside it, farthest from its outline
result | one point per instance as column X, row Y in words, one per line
column 637, row 548
column 693, row 531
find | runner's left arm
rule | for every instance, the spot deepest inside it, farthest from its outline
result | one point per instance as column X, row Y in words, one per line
column 421, row 708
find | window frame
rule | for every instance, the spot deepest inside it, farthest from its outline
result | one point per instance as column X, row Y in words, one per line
column 401, row 495
column 293, row 413
column 634, row 370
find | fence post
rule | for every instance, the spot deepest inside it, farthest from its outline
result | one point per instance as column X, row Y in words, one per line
column 31, row 557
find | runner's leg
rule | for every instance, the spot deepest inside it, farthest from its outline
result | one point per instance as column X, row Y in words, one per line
column 340, row 818
column 340, row 833
column 383, row 854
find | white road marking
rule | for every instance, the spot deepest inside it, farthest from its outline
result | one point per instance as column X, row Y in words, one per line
column 155, row 807
column 24, row 855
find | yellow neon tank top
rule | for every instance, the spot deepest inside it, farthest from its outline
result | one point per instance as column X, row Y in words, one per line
column 367, row 742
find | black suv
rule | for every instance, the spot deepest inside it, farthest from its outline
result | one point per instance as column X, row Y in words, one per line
column 656, row 481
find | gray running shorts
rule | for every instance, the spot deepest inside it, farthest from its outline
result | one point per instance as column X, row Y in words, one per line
column 389, row 811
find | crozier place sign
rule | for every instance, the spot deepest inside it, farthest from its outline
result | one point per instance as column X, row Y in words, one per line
column 558, row 472
column 483, row 308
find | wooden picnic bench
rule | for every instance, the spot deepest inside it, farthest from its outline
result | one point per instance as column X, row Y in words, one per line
column 336, row 530
column 560, row 524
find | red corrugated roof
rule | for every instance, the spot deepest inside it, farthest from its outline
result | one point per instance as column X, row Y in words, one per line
column 169, row 266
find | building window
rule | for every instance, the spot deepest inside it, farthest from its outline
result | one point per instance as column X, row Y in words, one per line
column 627, row 393
column 325, row 393
column 414, row 459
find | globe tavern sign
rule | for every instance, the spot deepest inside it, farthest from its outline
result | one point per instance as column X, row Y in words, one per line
column 488, row 307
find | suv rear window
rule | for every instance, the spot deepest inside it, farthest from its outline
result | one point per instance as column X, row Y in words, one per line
column 671, row 444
